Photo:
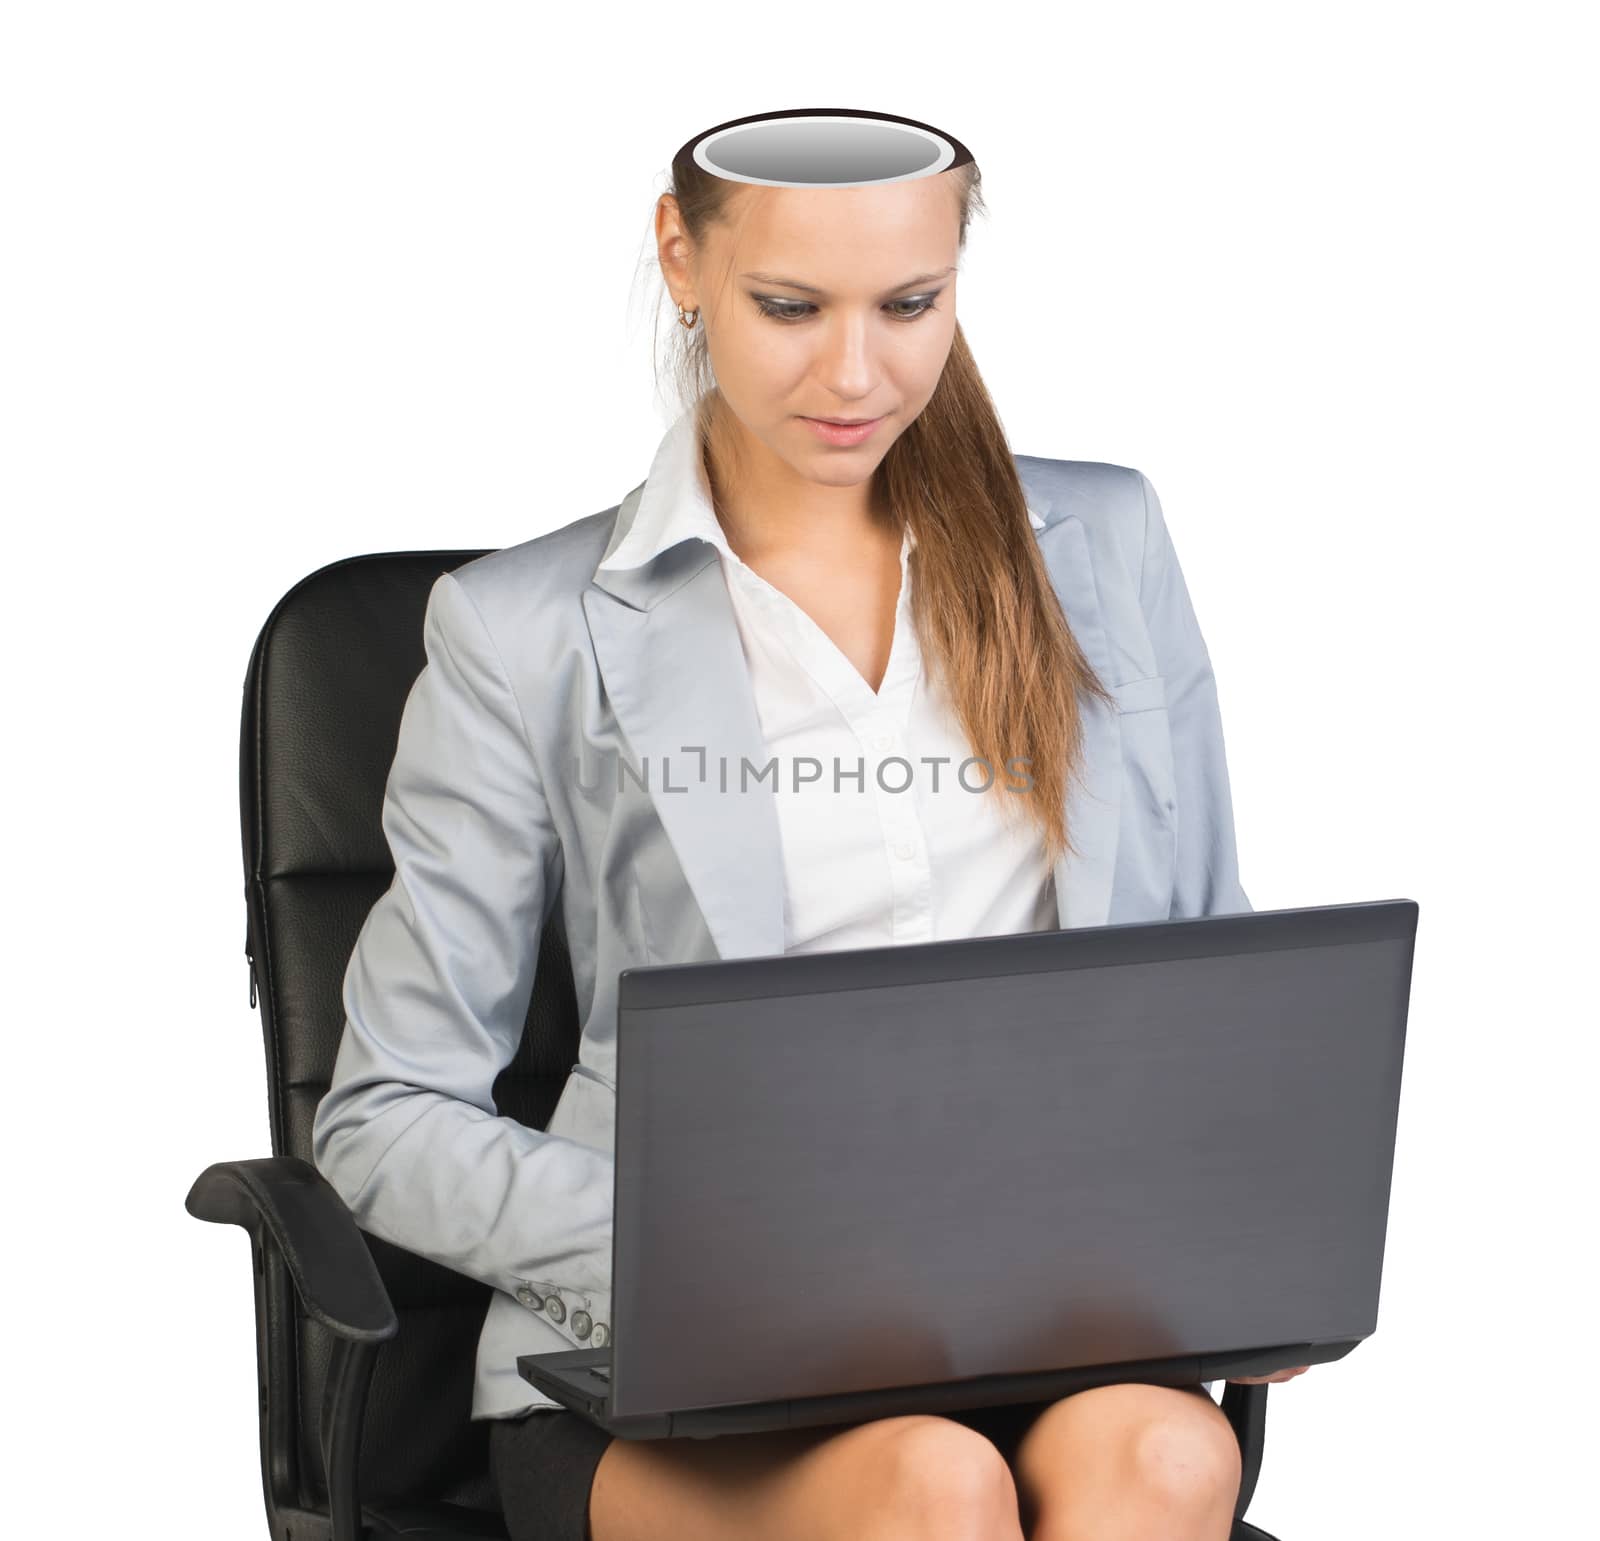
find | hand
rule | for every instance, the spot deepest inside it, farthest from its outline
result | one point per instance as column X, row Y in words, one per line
column 1267, row 1380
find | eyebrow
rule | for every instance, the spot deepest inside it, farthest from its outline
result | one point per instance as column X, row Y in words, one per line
column 794, row 283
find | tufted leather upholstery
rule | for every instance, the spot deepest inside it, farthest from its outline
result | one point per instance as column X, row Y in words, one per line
column 326, row 684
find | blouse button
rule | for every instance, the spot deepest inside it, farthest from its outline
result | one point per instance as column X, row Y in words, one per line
column 557, row 1309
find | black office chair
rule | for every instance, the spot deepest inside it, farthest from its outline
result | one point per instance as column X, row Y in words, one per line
column 366, row 1352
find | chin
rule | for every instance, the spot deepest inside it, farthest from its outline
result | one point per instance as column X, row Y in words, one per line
column 831, row 470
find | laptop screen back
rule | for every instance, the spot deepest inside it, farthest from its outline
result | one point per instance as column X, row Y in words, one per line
column 901, row 1165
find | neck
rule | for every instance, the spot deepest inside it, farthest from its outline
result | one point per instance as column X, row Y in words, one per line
column 767, row 510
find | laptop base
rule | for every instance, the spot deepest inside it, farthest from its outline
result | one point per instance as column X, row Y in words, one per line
column 580, row 1380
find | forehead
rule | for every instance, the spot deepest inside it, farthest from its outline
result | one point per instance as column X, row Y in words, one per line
column 842, row 236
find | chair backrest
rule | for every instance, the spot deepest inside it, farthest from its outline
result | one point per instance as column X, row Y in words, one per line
column 327, row 681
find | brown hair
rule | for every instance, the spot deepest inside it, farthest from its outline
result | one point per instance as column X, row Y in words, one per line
column 988, row 621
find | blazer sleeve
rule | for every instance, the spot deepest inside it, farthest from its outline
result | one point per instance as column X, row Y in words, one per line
column 436, row 995
column 1206, row 881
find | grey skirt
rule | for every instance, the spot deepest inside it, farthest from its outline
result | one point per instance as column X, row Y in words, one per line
column 542, row 1465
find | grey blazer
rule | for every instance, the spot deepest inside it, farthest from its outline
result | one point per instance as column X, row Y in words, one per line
column 505, row 797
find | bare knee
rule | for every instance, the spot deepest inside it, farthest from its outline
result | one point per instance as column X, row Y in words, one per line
column 892, row 1479
column 1125, row 1460
column 1190, row 1464
column 936, row 1480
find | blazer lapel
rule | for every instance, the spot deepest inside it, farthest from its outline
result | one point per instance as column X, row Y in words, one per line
column 668, row 648
column 1094, row 800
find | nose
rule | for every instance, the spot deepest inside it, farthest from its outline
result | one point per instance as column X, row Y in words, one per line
column 845, row 364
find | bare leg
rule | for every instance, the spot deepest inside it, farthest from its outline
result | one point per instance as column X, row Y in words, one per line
column 1130, row 1463
column 913, row 1478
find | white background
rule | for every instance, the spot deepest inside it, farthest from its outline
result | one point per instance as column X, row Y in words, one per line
column 288, row 283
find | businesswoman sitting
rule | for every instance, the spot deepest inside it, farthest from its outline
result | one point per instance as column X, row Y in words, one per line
column 835, row 558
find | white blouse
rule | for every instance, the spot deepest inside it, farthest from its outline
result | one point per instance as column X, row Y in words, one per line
column 877, row 850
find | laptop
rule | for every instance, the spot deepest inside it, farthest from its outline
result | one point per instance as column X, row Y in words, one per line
column 938, row 1176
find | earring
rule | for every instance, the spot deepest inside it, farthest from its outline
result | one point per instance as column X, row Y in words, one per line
column 687, row 318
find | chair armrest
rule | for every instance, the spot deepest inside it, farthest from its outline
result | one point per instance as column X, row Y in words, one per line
column 333, row 1272
column 338, row 1284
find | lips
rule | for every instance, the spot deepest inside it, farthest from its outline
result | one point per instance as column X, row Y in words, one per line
column 842, row 434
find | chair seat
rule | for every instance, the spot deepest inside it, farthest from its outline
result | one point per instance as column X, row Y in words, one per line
column 450, row 1522
column 432, row 1522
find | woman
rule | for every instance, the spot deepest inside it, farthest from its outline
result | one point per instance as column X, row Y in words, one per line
column 782, row 588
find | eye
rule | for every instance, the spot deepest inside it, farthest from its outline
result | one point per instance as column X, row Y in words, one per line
column 779, row 309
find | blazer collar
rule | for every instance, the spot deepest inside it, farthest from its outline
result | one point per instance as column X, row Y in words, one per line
column 673, row 504
column 673, row 666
